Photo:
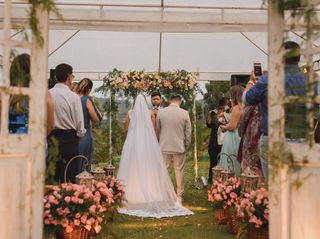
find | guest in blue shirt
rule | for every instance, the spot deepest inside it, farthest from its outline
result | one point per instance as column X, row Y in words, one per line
column 295, row 85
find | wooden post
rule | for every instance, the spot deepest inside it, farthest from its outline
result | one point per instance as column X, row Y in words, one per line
column 279, row 185
column 110, row 129
column 195, row 150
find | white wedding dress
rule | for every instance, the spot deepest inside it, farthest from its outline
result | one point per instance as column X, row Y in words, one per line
column 148, row 188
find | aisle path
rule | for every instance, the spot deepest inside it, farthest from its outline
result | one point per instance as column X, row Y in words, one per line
column 198, row 226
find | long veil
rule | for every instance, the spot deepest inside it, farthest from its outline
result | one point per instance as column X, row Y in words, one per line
column 148, row 188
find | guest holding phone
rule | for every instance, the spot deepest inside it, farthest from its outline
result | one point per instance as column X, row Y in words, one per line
column 214, row 119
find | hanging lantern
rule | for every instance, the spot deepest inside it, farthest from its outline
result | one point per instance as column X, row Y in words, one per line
column 249, row 181
column 228, row 173
column 216, row 172
column 109, row 170
column 85, row 178
column 98, row 174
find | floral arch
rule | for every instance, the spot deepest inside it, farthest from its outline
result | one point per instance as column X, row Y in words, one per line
column 133, row 82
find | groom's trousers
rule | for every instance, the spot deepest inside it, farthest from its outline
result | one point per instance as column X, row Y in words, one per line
column 179, row 160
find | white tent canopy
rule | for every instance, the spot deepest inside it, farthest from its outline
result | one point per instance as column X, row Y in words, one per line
column 215, row 38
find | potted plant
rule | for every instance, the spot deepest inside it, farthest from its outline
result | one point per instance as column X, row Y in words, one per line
column 223, row 196
column 254, row 209
column 74, row 210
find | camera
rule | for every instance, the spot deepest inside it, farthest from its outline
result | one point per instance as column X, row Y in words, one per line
column 215, row 111
column 257, row 69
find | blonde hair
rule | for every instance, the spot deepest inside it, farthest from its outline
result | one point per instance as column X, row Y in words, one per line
column 84, row 86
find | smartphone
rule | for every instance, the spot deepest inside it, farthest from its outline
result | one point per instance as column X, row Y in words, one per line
column 257, row 69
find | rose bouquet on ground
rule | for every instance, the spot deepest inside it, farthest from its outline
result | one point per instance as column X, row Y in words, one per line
column 254, row 209
column 117, row 190
column 110, row 194
column 72, row 206
column 224, row 195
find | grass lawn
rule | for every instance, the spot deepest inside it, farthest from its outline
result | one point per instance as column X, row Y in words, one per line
column 201, row 225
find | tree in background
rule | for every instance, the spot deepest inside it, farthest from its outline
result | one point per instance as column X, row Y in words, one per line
column 215, row 90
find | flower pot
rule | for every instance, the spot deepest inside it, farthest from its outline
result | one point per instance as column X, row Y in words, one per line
column 258, row 233
column 77, row 233
column 220, row 216
column 233, row 222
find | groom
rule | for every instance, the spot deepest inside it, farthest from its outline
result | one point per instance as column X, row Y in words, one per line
column 174, row 128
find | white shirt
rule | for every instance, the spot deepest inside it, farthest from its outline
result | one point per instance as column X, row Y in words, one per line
column 68, row 109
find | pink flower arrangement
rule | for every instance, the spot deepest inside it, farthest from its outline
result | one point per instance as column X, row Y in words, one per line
column 254, row 208
column 72, row 205
column 132, row 82
column 116, row 188
column 224, row 194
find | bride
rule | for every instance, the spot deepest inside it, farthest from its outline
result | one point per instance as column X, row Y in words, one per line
column 148, row 188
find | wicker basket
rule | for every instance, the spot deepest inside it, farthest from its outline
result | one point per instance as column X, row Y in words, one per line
column 78, row 233
column 233, row 222
column 220, row 216
column 258, row 233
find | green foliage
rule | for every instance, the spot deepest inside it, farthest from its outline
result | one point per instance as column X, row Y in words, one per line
column 53, row 157
column 101, row 134
column 43, row 5
column 215, row 90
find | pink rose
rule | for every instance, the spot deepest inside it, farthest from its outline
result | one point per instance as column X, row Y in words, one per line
column 97, row 228
column 64, row 222
column 67, row 199
column 233, row 195
column 74, row 200
column 46, row 213
column 51, row 198
column 69, row 229
column 83, row 219
column 76, row 222
column 68, row 187
column 92, row 209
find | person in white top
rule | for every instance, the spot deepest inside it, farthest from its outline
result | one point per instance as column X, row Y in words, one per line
column 68, row 123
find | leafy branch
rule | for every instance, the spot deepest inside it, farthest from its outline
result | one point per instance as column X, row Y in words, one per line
column 44, row 5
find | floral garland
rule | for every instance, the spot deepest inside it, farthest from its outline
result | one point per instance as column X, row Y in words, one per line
column 133, row 82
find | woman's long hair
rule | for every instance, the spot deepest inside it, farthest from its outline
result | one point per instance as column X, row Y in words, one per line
column 236, row 92
column 20, row 71
column 84, row 86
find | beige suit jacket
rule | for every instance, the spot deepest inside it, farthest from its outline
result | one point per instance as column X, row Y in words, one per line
column 174, row 127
